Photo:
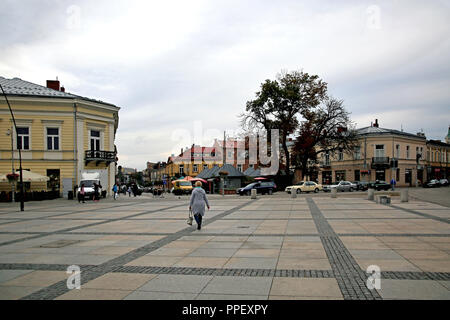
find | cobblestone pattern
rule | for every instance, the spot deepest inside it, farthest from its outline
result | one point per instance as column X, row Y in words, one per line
column 228, row 272
column 398, row 275
column 349, row 276
column 425, row 215
column 43, row 267
column 60, row 288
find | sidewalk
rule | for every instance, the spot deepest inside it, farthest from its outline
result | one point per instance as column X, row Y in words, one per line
column 275, row 247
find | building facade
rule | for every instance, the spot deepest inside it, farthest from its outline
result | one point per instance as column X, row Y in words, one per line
column 381, row 154
column 437, row 160
column 60, row 135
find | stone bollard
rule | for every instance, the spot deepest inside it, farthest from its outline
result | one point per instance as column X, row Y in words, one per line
column 293, row 194
column 370, row 194
column 333, row 192
column 253, row 193
column 404, row 195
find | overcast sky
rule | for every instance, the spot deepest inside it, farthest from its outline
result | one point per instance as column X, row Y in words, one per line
column 170, row 65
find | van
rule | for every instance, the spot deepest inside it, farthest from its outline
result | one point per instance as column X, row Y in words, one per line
column 182, row 187
column 88, row 179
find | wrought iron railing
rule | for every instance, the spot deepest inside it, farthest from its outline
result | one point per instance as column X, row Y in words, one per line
column 100, row 155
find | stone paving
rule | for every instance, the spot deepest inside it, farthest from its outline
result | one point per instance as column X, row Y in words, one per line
column 275, row 247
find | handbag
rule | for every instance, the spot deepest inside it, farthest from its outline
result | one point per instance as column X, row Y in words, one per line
column 190, row 218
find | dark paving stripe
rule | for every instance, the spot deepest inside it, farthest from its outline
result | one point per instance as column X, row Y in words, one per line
column 349, row 276
column 404, row 275
column 40, row 266
column 247, row 272
column 60, row 288
column 441, row 235
column 226, row 272
column 426, row 215
column 43, row 234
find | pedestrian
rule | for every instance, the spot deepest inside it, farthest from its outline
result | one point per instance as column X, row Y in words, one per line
column 129, row 191
column 115, row 190
column 393, row 182
column 197, row 203
column 81, row 194
column 96, row 193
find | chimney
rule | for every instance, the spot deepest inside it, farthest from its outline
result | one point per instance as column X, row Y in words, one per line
column 376, row 123
column 53, row 84
column 63, row 89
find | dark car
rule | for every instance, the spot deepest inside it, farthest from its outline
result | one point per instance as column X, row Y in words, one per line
column 432, row 184
column 361, row 185
column 261, row 188
column 379, row 185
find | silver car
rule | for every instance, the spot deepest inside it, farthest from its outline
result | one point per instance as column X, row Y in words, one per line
column 341, row 186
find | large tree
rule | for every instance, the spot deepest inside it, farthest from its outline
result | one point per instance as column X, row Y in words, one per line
column 327, row 128
column 280, row 102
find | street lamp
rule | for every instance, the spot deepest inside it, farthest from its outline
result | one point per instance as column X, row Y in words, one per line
column 20, row 153
column 9, row 133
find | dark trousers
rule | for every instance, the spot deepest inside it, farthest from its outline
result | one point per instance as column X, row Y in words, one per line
column 198, row 218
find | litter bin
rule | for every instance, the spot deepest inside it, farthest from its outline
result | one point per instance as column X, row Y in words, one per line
column 70, row 195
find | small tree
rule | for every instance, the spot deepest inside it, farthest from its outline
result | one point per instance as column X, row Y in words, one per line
column 328, row 128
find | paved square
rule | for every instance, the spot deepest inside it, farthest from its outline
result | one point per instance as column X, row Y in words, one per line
column 274, row 247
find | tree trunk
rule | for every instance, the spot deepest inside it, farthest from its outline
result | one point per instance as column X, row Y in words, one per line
column 286, row 153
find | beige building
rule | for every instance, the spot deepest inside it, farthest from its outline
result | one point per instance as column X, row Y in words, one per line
column 381, row 154
column 60, row 135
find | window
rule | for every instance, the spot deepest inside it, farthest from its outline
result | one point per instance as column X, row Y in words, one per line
column 327, row 158
column 340, row 175
column 52, row 138
column 379, row 151
column 205, row 166
column 23, row 138
column 357, row 153
column 181, row 168
column 239, row 167
column 340, row 156
column 397, row 151
column 251, row 166
column 95, row 140
column 195, row 168
column 407, row 152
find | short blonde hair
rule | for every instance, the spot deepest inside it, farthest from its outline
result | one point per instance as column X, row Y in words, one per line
column 198, row 184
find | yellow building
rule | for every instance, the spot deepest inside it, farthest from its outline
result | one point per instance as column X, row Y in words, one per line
column 61, row 135
column 191, row 162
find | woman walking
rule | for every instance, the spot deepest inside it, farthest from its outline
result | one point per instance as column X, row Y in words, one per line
column 197, row 203
column 81, row 194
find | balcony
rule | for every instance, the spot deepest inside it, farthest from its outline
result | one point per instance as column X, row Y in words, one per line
column 325, row 164
column 380, row 163
column 99, row 156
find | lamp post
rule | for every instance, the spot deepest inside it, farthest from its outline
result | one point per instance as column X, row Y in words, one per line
column 9, row 132
column 20, row 154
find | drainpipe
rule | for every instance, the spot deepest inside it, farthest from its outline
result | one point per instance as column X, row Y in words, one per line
column 75, row 145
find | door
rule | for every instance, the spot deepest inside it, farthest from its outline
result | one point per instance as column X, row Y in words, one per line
column 380, row 175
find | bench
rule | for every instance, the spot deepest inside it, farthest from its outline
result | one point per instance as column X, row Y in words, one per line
column 383, row 199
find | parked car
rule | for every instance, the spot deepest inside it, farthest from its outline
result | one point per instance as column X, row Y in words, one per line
column 361, row 185
column 432, row 184
column 295, row 186
column 379, row 185
column 261, row 188
column 305, row 186
column 340, row 186
column 443, row 182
